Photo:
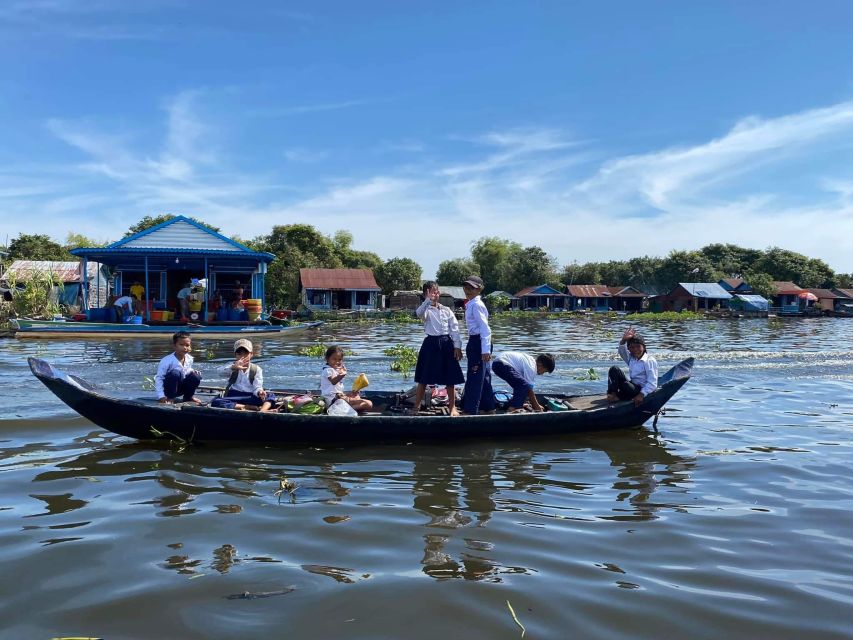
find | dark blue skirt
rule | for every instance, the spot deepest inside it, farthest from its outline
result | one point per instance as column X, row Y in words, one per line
column 437, row 364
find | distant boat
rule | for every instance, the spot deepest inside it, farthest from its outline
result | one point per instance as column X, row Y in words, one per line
column 28, row 328
column 147, row 419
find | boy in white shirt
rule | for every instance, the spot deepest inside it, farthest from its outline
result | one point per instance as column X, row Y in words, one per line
column 175, row 374
column 642, row 371
column 246, row 385
column 478, row 395
column 519, row 369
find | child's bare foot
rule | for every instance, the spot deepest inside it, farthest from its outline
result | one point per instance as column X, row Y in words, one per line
column 612, row 397
column 195, row 400
column 454, row 412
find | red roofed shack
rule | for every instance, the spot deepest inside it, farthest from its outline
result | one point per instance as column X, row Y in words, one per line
column 354, row 289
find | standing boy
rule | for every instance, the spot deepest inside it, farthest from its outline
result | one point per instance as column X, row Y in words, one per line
column 478, row 393
column 175, row 374
column 519, row 369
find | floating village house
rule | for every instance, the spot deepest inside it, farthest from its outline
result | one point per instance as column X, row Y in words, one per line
column 844, row 301
column 335, row 289
column 543, row 296
column 164, row 258
column 825, row 300
column 735, row 286
column 68, row 273
column 597, row 297
column 692, row 296
column 452, row 296
column 790, row 299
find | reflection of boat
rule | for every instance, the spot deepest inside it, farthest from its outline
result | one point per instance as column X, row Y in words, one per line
column 144, row 418
column 27, row 328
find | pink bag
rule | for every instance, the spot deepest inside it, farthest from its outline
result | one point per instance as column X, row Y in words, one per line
column 298, row 401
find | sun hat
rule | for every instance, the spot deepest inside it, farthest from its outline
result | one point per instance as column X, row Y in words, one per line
column 245, row 344
column 474, row 281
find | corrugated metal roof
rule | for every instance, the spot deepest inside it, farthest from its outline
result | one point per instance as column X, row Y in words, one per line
column 845, row 293
column 338, row 279
column 64, row 270
column 785, row 287
column 457, row 293
column 822, row 293
column 547, row 290
column 505, row 294
column 751, row 298
column 734, row 283
column 601, row 291
column 706, row 290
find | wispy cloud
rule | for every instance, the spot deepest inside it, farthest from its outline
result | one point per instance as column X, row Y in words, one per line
column 763, row 182
column 280, row 112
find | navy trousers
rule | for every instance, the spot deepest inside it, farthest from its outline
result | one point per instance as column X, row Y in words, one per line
column 241, row 397
column 519, row 385
column 478, row 395
column 175, row 385
column 620, row 385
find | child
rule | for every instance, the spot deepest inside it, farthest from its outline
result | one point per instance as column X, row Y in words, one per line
column 246, row 385
column 441, row 351
column 331, row 382
column 519, row 370
column 478, row 383
column 642, row 370
column 175, row 373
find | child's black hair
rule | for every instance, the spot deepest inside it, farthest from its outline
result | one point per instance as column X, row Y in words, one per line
column 179, row 335
column 429, row 284
column 547, row 361
column 332, row 351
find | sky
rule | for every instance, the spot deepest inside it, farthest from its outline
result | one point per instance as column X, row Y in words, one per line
column 594, row 130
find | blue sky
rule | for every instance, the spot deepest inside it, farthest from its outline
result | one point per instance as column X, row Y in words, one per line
column 597, row 131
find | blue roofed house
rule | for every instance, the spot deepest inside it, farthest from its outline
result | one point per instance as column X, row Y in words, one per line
column 692, row 296
column 542, row 297
column 735, row 285
column 165, row 257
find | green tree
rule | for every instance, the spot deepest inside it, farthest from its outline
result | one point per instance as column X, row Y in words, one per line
column 79, row 241
column 351, row 258
column 761, row 283
column 453, row 272
column 37, row 247
column 530, row 266
column 687, row 266
column 152, row 221
column 493, row 255
column 398, row 274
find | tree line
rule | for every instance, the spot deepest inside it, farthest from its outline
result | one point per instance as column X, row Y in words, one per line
column 503, row 264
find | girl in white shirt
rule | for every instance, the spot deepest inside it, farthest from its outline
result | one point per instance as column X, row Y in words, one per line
column 332, row 382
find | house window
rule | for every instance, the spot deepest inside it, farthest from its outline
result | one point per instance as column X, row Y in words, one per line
column 362, row 298
column 317, row 297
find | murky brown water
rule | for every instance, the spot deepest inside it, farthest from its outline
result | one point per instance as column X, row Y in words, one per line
column 734, row 521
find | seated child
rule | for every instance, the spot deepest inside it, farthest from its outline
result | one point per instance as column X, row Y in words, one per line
column 332, row 385
column 441, row 351
column 519, row 369
column 246, row 385
column 642, row 371
column 175, row 374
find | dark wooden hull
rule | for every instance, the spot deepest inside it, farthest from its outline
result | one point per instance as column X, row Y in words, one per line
column 135, row 417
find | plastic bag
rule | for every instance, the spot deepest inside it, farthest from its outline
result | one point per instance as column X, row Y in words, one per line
column 309, row 408
column 341, row 408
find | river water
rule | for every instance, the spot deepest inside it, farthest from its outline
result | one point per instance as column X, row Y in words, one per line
column 735, row 521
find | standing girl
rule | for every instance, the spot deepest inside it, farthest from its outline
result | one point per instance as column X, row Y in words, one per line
column 478, row 383
column 441, row 351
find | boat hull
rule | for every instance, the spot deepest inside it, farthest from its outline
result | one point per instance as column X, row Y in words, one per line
column 142, row 418
column 42, row 329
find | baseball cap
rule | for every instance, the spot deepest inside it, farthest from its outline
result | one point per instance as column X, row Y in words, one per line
column 474, row 281
column 245, row 344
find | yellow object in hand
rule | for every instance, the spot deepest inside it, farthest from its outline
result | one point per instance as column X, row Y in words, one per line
column 360, row 382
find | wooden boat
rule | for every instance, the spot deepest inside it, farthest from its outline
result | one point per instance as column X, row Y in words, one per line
column 27, row 328
column 146, row 419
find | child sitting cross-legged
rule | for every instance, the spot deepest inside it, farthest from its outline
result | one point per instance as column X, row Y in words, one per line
column 332, row 382
column 245, row 387
column 519, row 369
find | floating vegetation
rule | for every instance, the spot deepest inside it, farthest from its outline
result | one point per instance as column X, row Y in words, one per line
column 314, row 351
column 588, row 375
column 148, row 383
column 668, row 316
column 515, row 617
column 405, row 358
column 177, row 441
column 286, row 486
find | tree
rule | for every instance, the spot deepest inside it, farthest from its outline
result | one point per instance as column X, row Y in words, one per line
column 398, row 274
column 687, row 266
column 761, row 283
column 78, row 241
column 529, row 266
column 349, row 257
column 453, row 272
column 492, row 255
column 37, row 247
column 152, row 221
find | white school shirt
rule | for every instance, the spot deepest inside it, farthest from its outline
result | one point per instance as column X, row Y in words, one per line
column 124, row 301
column 328, row 390
column 524, row 364
column 477, row 321
column 439, row 321
column 643, row 372
column 242, row 383
column 167, row 364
